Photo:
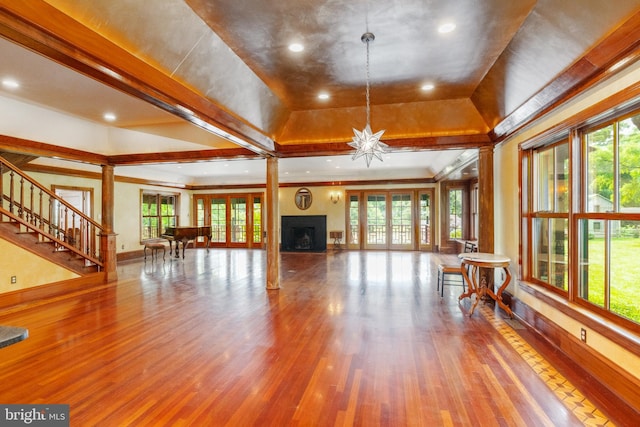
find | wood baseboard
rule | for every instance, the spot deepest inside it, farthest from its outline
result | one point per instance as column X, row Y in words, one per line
column 50, row 290
column 611, row 376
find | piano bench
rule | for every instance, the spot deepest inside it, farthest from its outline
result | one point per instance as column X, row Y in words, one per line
column 154, row 248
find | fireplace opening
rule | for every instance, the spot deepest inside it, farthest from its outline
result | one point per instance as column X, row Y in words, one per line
column 304, row 233
column 303, row 238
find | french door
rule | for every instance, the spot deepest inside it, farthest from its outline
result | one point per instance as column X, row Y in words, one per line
column 235, row 219
column 398, row 220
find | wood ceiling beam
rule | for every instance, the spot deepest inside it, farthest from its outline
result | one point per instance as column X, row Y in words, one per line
column 183, row 156
column 40, row 149
column 450, row 142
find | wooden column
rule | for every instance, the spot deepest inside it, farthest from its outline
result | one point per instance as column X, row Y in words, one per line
column 485, row 211
column 485, row 202
column 273, row 218
column 108, row 237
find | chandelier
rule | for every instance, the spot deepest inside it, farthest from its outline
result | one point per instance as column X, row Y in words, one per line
column 367, row 143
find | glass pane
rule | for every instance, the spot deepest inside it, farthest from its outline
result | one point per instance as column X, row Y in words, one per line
column 544, row 191
column 561, row 178
column 599, row 146
column 591, row 253
column 149, row 227
column 376, row 220
column 455, row 214
column 238, row 219
column 540, row 259
column 629, row 163
column 257, row 220
column 625, row 269
column 354, row 223
column 149, row 204
column 558, row 257
column 200, row 212
column 401, row 219
column 167, row 205
column 219, row 220
column 425, row 219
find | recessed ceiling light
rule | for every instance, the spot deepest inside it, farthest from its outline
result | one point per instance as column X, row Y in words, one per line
column 446, row 27
column 110, row 117
column 428, row 87
column 296, row 47
column 329, row 160
column 10, row 84
column 323, row 96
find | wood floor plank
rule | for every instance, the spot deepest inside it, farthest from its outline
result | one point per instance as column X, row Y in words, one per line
column 351, row 338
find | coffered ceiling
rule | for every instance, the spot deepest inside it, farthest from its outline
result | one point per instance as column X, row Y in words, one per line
column 212, row 80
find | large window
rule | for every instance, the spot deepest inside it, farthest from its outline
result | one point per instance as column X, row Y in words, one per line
column 586, row 186
column 609, row 224
column 159, row 211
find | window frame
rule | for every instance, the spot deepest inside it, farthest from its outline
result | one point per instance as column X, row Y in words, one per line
column 578, row 209
column 158, row 216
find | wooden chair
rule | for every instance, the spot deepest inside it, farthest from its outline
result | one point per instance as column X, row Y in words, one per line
column 450, row 274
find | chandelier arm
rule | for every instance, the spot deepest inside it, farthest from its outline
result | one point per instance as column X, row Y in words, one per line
column 368, row 96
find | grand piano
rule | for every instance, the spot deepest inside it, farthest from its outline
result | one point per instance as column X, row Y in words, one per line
column 185, row 235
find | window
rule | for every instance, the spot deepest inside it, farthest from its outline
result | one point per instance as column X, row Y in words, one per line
column 550, row 218
column 455, row 213
column 353, row 237
column 594, row 196
column 475, row 218
column 425, row 219
column 159, row 211
column 609, row 224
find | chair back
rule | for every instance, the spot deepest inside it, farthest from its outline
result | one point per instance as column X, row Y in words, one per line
column 470, row 247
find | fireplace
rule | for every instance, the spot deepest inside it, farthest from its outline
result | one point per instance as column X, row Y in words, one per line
column 304, row 233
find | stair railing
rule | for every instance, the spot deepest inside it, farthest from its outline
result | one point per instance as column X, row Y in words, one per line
column 39, row 210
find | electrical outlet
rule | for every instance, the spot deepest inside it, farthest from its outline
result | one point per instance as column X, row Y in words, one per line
column 583, row 334
column 122, row 246
column 14, row 280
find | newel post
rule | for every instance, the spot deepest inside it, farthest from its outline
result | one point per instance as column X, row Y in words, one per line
column 108, row 237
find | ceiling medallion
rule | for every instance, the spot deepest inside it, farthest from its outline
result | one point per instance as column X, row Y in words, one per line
column 367, row 143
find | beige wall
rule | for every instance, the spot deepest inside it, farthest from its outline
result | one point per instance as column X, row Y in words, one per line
column 30, row 270
column 507, row 212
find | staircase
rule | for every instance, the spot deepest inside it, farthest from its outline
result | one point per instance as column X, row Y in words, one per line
column 34, row 218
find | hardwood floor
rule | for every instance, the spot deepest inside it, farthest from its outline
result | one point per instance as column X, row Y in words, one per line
column 351, row 338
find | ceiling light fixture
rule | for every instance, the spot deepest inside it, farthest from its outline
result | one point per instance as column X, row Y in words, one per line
column 323, row 96
column 367, row 143
column 427, row 87
column 446, row 27
column 296, row 47
column 110, row 117
column 10, row 84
